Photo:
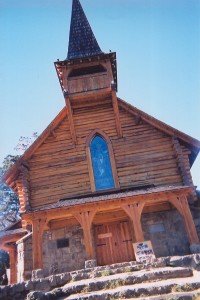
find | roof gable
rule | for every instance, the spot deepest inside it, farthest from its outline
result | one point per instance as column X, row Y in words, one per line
column 193, row 143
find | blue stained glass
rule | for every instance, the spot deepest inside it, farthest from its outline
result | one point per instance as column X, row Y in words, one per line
column 103, row 176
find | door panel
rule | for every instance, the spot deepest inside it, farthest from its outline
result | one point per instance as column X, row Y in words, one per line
column 113, row 242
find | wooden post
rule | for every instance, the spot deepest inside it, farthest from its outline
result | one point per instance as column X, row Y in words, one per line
column 134, row 212
column 116, row 113
column 13, row 263
column 38, row 229
column 181, row 203
column 85, row 219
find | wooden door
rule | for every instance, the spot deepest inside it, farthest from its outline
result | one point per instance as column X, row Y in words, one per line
column 113, row 242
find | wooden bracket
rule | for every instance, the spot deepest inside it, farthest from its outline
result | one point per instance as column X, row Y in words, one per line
column 138, row 119
column 134, row 212
column 85, row 218
column 181, row 204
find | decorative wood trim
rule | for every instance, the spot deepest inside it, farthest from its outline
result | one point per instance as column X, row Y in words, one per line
column 116, row 114
column 71, row 120
column 181, row 204
column 111, row 154
column 180, row 160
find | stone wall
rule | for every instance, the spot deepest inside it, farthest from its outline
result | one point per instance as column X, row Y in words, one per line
column 196, row 216
column 24, row 258
column 71, row 256
column 166, row 230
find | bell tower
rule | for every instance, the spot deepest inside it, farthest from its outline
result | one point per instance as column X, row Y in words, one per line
column 87, row 75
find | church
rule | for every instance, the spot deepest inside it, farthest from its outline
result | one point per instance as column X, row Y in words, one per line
column 102, row 176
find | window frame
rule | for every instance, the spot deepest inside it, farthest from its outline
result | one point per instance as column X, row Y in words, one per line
column 104, row 136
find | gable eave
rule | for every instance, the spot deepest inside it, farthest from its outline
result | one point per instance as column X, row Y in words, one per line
column 161, row 125
column 11, row 175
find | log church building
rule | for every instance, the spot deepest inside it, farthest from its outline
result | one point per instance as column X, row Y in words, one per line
column 102, row 176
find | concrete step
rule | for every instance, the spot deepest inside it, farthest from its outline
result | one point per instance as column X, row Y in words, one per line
column 165, row 289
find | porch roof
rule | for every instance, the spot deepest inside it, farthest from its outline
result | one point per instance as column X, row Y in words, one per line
column 118, row 195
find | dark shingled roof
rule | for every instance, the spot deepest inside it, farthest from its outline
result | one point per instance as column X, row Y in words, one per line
column 82, row 42
column 12, row 232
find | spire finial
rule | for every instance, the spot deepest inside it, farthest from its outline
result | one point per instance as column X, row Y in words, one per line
column 82, row 42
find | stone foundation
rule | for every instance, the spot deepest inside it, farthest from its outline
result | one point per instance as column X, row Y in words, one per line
column 166, row 230
column 24, row 258
column 63, row 250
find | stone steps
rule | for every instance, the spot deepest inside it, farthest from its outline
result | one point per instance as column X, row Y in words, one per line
column 187, row 288
column 102, row 271
column 106, row 282
column 195, row 295
column 108, row 286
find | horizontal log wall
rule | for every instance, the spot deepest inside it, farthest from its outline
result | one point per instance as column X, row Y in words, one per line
column 144, row 155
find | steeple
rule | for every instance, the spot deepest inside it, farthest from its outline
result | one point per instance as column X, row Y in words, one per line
column 87, row 72
column 82, row 42
column 87, row 76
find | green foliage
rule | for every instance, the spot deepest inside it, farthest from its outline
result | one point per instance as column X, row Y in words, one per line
column 25, row 142
column 9, row 202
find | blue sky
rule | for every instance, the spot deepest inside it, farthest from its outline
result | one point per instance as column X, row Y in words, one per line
column 158, row 51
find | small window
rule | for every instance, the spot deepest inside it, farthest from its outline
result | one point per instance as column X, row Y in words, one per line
column 62, row 243
column 103, row 175
column 87, row 71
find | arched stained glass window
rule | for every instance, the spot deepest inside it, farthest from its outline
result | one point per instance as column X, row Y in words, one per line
column 102, row 170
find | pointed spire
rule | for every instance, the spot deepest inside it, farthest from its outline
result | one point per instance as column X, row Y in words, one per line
column 82, row 42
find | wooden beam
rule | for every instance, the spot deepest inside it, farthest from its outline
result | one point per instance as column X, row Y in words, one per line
column 116, row 114
column 85, row 218
column 134, row 211
column 181, row 203
column 71, row 120
column 149, row 198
